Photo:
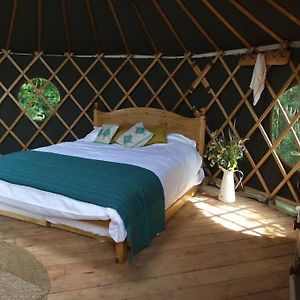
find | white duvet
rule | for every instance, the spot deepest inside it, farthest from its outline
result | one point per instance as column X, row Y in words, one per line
column 177, row 164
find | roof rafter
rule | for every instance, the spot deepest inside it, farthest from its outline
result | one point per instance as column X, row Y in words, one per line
column 11, row 24
column 144, row 25
column 257, row 22
column 40, row 25
column 284, row 11
column 93, row 23
column 197, row 24
column 117, row 21
column 66, row 25
column 226, row 23
column 170, row 26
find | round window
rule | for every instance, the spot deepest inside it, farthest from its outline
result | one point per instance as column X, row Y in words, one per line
column 289, row 148
column 38, row 97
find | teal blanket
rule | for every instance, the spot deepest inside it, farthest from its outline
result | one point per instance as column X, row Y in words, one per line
column 136, row 193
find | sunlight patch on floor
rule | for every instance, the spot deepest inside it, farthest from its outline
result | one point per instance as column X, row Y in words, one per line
column 238, row 217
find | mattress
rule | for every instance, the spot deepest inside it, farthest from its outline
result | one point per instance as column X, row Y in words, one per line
column 177, row 164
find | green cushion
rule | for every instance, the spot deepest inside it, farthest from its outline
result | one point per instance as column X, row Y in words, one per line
column 160, row 134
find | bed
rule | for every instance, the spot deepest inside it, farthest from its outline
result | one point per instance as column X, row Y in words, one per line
column 177, row 164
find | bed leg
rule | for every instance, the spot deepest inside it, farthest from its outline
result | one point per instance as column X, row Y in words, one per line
column 121, row 252
column 48, row 224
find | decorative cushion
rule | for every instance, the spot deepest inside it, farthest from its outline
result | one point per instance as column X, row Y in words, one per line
column 136, row 136
column 160, row 134
column 91, row 136
column 121, row 130
column 106, row 133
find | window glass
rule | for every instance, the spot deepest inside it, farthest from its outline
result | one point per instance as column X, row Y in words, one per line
column 38, row 97
column 288, row 149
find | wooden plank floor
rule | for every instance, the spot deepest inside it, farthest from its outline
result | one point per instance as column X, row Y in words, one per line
column 210, row 250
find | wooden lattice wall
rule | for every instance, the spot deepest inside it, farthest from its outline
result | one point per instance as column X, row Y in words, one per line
column 218, row 83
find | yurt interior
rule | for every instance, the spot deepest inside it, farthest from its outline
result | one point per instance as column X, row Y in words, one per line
column 149, row 149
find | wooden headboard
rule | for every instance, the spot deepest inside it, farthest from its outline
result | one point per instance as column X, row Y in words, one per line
column 194, row 128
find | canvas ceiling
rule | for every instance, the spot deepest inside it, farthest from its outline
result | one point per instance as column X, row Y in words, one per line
column 143, row 26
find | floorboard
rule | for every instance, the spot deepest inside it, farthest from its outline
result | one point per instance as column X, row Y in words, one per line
column 210, row 250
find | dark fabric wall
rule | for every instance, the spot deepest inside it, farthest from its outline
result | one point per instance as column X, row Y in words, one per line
column 76, row 108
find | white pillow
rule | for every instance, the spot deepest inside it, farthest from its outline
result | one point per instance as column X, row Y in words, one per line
column 181, row 138
column 136, row 136
column 90, row 137
column 106, row 133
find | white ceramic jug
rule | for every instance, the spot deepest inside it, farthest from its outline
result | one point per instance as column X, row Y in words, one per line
column 227, row 190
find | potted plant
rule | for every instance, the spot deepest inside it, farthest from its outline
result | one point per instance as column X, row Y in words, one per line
column 225, row 152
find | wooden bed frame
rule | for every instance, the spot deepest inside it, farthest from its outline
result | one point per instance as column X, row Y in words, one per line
column 193, row 128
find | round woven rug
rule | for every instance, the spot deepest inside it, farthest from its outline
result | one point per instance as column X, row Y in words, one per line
column 22, row 277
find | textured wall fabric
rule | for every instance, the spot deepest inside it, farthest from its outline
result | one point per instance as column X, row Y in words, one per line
column 223, row 97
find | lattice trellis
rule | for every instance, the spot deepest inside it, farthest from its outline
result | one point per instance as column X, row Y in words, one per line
column 186, row 78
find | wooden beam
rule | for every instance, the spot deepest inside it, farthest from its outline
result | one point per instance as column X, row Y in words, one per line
column 118, row 24
column 268, row 143
column 282, row 183
column 67, row 95
column 146, row 82
column 11, row 24
column 172, row 77
column 136, row 83
column 119, row 84
column 284, row 11
column 39, row 127
column 93, row 24
column 145, row 27
column 66, row 25
column 40, row 25
column 200, row 79
column 287, row 123
column 107, row 83
column 272, row 147
column 226, row 23
column 258, row 123
column 257, row 22
column 271, row 105
column 143, row 77
column 275, row 154
column 8, row 92
column 197, row 25
column 168, row 79
column 170, row 26
column 228, row 119
column 274, row 58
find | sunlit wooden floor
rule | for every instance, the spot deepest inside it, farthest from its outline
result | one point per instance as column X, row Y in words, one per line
column 210, row 250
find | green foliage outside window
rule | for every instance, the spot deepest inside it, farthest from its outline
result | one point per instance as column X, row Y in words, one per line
column 288, row 149
column 37, row 97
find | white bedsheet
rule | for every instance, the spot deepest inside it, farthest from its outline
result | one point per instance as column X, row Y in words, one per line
column 177, row 165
